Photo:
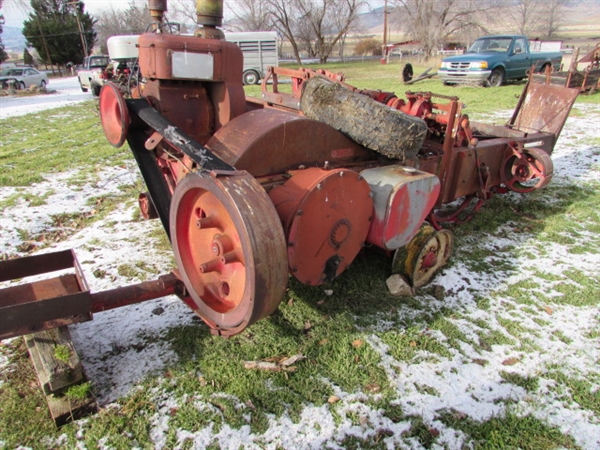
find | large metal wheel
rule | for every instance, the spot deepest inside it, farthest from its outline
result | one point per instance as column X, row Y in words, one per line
column 527, row 171
column 230, row 249
column 114, row 115
column 424, row 255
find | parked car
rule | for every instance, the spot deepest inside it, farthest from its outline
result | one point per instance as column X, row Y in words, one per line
column 23, row 77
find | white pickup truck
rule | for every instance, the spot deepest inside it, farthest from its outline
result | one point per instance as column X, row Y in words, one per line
column 93, row 73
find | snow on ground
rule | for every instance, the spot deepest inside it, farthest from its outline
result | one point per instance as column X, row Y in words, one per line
column 62, row 92
column 118, row 348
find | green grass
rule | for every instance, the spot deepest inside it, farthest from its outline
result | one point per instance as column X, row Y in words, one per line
column 371, row 74
column 52, row 147
column 209, row 390
column 511, row 431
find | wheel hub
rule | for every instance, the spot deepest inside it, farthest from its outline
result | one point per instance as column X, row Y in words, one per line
column 526, row 170
column 230, row 249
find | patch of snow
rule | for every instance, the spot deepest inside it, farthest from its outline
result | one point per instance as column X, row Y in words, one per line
column 61, row 92
column 121, row 347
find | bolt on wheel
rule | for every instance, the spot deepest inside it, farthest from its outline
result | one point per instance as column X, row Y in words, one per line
column 230, row 249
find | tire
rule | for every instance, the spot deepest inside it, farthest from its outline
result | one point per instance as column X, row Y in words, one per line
column 96, row 90
column 543, row 68
column 251, row 77
column 22, row 85
column 43, row 84
column 496, row 78
column 407, row 72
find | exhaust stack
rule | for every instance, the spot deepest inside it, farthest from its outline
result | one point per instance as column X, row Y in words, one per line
column 157, row 11
column 210, row 16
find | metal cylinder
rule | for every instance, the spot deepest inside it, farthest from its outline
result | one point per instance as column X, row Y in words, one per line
column 157, row 5
column 157, row 10
column 210, row 12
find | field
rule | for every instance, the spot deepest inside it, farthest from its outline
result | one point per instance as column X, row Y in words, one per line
column 501, row 351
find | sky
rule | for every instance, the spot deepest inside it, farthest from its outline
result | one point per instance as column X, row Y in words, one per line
column 15, row 11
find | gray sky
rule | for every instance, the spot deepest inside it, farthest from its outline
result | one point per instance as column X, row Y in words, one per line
column 15, row 11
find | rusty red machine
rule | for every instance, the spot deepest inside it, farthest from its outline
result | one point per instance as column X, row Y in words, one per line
column 296, row 182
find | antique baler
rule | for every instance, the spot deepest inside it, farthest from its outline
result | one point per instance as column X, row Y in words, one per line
column 251, row 190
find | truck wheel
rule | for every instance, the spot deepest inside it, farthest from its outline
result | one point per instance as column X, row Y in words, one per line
column 96, row 90
column 544, row 68
column 251, row 77
column 496, row 78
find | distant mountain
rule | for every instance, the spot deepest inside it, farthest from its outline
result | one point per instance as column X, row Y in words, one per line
column 370, row 19
column 13, row 39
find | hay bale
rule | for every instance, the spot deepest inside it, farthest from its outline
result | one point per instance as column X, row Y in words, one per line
column 369, row 123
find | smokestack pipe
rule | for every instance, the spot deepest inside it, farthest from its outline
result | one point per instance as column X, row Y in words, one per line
column 157, row 10
column 210, row 16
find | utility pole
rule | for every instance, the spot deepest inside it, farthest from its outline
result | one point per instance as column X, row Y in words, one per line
column 384, row 51
column 48, row 57
column 80, row 28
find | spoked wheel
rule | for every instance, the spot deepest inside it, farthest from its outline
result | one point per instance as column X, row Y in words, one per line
column 230, row 249
column 461, row 211
column 527, row 171
column 424, row 255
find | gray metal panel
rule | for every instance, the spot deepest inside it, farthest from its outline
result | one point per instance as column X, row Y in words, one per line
column 197, row 66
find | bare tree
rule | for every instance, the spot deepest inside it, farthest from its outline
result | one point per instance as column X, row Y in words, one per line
column 251, row 15
column 134, row 20
column 318, row 24
column 184, row 12
column 553, row 16
column 524, row 16
column 330, row 20
column 431, row 22
column 305, row 36
column 285, row 18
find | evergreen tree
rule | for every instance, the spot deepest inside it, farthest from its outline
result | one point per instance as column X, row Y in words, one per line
column 3, row 54
column 53, row 30
column 27, row 58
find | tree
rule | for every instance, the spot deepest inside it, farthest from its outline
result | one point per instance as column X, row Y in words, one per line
column 431, row 22
column 368, row 46
column 27, row 58
column 317, row 24
column 524, row 15
column 53, row 29
column 3, row 54
column 134, row 20
column 553, row 14
column 184, row 11
column 251, row 15
column 330, row 21
column 285, row 18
